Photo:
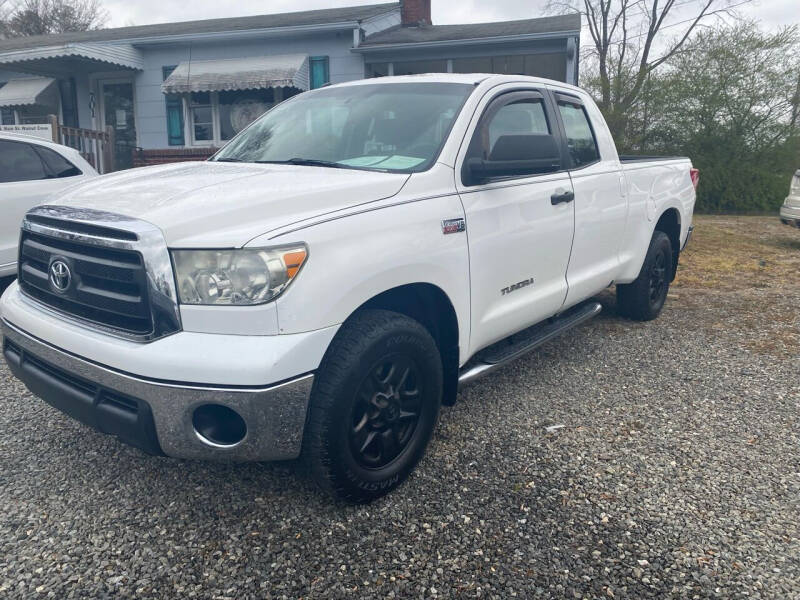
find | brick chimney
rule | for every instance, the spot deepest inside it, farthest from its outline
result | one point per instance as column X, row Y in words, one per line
column 414, row 13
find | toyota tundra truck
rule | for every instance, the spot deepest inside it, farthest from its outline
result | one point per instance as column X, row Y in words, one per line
column 327, row 280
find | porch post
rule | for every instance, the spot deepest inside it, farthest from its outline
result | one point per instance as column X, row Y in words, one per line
column 55, row 131
column 108, row 159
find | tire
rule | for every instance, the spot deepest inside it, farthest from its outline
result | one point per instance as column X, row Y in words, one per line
column 362, row 439
column 643, row 299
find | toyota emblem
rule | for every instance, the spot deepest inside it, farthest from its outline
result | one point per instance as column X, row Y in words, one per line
column 60, row 275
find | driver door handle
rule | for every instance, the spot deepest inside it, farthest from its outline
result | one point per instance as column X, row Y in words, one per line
column 564, row 197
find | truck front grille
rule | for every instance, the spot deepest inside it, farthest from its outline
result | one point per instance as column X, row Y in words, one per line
column 107, row 286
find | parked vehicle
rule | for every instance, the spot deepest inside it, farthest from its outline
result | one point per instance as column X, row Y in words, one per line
column 790, row 211
column 31, row 170
column 331, row 276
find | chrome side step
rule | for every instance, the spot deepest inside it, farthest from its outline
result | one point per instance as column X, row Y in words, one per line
column 521, row 343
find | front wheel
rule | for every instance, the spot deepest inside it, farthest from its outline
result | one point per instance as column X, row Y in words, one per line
column 374, row 405
column 643, row 299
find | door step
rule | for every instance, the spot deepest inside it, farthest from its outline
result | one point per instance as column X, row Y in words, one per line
column 524, row 341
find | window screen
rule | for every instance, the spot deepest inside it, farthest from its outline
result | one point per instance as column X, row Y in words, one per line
column 580, row 138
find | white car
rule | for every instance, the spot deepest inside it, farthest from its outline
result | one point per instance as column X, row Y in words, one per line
column 790, row 211
column 328, row 279
column 31, row 170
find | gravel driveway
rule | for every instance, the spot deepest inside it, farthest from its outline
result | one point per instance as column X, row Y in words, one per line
column 676, row 474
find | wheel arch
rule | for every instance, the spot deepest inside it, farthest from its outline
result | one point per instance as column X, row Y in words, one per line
column 670, row 223
column 429, row 305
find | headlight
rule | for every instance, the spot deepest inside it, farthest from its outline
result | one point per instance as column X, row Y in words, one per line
column 236, row 277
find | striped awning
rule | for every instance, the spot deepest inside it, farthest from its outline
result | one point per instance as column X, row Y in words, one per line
column 28, row 90
column 252, row 73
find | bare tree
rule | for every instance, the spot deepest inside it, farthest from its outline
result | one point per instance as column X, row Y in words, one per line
column 40, row 17
column 632, row 38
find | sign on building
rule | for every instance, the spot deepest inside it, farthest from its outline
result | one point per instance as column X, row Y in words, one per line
column 44, row 132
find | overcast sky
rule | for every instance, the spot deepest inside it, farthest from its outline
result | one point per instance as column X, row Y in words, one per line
column 773, row 13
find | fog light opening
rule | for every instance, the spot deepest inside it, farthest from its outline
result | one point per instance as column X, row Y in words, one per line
column 218, row 425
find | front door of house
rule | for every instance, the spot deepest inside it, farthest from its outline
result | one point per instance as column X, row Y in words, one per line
column 119, row 115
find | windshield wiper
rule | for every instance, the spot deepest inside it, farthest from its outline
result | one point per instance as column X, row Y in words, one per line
column 228, row 160
column 306, row 162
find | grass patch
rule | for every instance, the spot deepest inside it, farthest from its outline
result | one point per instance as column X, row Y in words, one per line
column 743, row 275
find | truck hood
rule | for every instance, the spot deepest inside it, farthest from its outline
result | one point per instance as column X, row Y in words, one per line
column 224, row 205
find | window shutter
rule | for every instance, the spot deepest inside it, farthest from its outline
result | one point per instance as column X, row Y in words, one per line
column 174, row 114
column 319, row 71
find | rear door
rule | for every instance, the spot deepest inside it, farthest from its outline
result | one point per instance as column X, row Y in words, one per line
column 600, row 202
column 519, row 240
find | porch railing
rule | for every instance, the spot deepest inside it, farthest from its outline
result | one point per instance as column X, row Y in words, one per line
column 97, row 147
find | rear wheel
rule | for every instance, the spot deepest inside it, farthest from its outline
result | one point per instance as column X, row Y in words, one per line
column 374, row 405
column 644, row 298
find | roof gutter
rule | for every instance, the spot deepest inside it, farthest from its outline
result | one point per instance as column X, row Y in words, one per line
column 502, row 39
column 228, row 35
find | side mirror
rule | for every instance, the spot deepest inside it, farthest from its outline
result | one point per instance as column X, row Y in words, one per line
column 515, row 155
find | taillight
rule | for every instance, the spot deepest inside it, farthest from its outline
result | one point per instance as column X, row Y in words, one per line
column 695, row 175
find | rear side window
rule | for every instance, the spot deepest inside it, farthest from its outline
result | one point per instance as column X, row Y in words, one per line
column 580, row 139
column 20, row 162
column 57, row 164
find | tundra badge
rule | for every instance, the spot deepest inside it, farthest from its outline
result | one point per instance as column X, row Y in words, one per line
column 516, row 286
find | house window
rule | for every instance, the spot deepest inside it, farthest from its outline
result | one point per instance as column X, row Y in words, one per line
column 320, row 71
column 416, row 67
column 551, row 66
column 7, row 116
column 34, row 114
column 377, row 70
column 215, row 117
column 201, row 113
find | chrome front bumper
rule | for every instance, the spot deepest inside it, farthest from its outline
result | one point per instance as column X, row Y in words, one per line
column 137, row 409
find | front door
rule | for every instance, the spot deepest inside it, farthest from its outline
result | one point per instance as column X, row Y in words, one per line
column 119, row 115
column 519, row 239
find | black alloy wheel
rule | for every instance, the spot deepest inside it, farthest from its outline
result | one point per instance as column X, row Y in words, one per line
column 386, row 412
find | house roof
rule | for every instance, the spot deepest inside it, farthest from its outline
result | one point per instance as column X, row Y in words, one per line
column 346, row 14
column 441, row 34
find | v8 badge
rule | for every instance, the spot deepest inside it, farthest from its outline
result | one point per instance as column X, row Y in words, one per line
column 453, row 226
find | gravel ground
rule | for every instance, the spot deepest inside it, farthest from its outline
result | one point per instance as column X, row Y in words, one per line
column 676, row 474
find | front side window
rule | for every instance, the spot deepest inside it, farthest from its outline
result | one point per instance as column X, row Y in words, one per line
column 523, row 117
column 580, row 138
column 57, row 165
column 19, row 162
column 391, row 127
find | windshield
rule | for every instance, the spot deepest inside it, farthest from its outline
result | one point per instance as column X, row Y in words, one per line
column 386, row 127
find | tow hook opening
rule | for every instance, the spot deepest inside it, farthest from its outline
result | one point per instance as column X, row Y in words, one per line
column 219, row 426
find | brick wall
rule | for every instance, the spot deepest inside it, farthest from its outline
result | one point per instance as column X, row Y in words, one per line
column 145, row 158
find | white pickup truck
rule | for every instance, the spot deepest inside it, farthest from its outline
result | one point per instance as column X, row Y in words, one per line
column 331, row 276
